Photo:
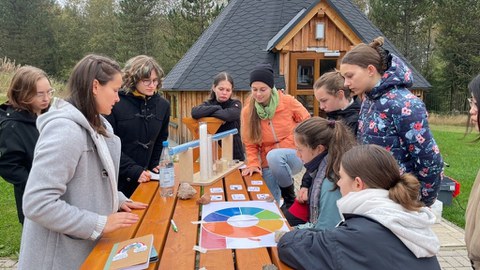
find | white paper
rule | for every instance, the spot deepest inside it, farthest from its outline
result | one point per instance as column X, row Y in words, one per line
column 154, row 176
column 254, row 189
column 216, row 190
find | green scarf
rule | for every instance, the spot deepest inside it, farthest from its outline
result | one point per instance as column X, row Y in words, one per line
column 267, row 112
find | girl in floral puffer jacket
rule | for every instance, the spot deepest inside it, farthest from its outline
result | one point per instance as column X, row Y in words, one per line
column 391, row 116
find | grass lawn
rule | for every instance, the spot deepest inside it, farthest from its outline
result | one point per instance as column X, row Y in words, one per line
column 10, row 228
column 463, row 157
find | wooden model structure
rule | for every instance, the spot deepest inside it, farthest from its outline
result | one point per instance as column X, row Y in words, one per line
column 212, row 168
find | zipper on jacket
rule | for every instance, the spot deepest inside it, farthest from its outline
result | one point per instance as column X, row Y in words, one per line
column 270, row 123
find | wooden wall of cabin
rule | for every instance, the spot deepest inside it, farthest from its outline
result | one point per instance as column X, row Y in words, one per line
column 334, row 38
column 186, row 100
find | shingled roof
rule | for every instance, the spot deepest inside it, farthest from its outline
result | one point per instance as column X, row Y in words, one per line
column 238, row 39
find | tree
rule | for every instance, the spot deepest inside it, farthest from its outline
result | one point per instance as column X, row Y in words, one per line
column 138, row 20
column 26, row 35
column 185, row 23
column 408, row 24
column 102, row 25
column 71, row 36
column 458, row 50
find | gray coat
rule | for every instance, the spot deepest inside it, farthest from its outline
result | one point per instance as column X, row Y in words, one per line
column 71, row 189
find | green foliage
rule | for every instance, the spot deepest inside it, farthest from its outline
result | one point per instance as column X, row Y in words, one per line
column 137, row 21
column 185, row 24
column 10, row 228
column 408, row 25
column 462, row 156
column 27, row 35
column 458, row 50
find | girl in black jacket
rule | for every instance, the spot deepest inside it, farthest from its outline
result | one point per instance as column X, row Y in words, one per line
column 141, row 121
column 28, row 95
column 222, row 106
column 335, row 99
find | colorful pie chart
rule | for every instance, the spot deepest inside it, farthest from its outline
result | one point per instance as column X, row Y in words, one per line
column 242, row 222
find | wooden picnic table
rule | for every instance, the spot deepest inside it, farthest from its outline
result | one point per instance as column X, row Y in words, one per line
column 175, row 249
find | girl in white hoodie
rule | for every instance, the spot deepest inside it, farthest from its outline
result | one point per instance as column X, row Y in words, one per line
column 385, row 225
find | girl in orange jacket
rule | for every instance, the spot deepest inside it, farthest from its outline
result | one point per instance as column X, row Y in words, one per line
column 267, row 123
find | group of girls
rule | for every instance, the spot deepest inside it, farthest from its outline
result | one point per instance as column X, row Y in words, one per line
column 68, row 206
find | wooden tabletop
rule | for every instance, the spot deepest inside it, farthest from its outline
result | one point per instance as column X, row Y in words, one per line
column 175, row 249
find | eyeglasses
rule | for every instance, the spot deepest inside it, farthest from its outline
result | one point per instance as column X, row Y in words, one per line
column 149, row 82
column 472, row 103
column 49, row 94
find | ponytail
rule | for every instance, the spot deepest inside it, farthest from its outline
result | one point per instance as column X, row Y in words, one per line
column 406, row 192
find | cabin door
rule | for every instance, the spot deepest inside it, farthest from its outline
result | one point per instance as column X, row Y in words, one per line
column 305, row 69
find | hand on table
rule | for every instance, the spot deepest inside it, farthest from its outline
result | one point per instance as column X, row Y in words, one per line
column 250, row 170
column 127, row 206
column 144, row 177
column 120, row 220
column 302, row 196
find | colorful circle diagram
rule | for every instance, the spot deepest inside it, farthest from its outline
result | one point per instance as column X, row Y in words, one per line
column 242, row 222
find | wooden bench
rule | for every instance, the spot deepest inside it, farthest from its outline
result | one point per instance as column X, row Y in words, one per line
column 175, row 249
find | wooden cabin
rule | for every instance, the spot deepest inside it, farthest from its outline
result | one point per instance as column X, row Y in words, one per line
column 302, row 39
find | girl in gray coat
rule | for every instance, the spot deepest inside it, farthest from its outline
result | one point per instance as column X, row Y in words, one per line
column 71, row 196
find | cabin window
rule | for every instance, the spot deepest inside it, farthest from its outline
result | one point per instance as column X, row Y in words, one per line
column 305, row 71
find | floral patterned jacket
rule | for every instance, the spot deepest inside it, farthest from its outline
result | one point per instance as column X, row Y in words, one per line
column 392, row 117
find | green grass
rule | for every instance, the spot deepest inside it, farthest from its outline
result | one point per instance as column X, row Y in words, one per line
column 10, row 228
column 464, row 162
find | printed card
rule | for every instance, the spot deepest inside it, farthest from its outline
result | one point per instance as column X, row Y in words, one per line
column 216, row 197
column 262, row 196
column 236, row 187
column 216, row 190
column 238, row 197
column 257, row 182
column 254, row 189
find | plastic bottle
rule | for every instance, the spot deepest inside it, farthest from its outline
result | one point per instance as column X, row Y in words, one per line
column 166, row 172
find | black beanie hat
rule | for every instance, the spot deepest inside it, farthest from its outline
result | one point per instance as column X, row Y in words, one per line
column 262, row 73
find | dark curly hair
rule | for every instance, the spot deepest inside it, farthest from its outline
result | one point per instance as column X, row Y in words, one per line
column 138, row 68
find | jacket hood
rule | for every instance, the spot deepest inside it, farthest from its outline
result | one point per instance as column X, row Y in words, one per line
column 63, row 109
column 413, row 228
column 397, row 75
column 7, row 112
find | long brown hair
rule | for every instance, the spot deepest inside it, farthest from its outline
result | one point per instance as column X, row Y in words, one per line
column 373, row 54
column 333, row 82
column 378, row 169
column 333, row 135
column 254, row 131
column 80, row 84
column 23, row 87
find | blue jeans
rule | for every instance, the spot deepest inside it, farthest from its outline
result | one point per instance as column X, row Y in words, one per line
column 283, row 163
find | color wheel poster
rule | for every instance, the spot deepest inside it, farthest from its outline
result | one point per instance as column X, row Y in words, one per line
column 232, row 225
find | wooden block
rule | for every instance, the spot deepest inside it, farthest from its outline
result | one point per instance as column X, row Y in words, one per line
column 99, row 255
column 227, row 148
column 185, row 166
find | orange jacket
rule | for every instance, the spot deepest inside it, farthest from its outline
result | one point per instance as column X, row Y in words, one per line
column 276, row 132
